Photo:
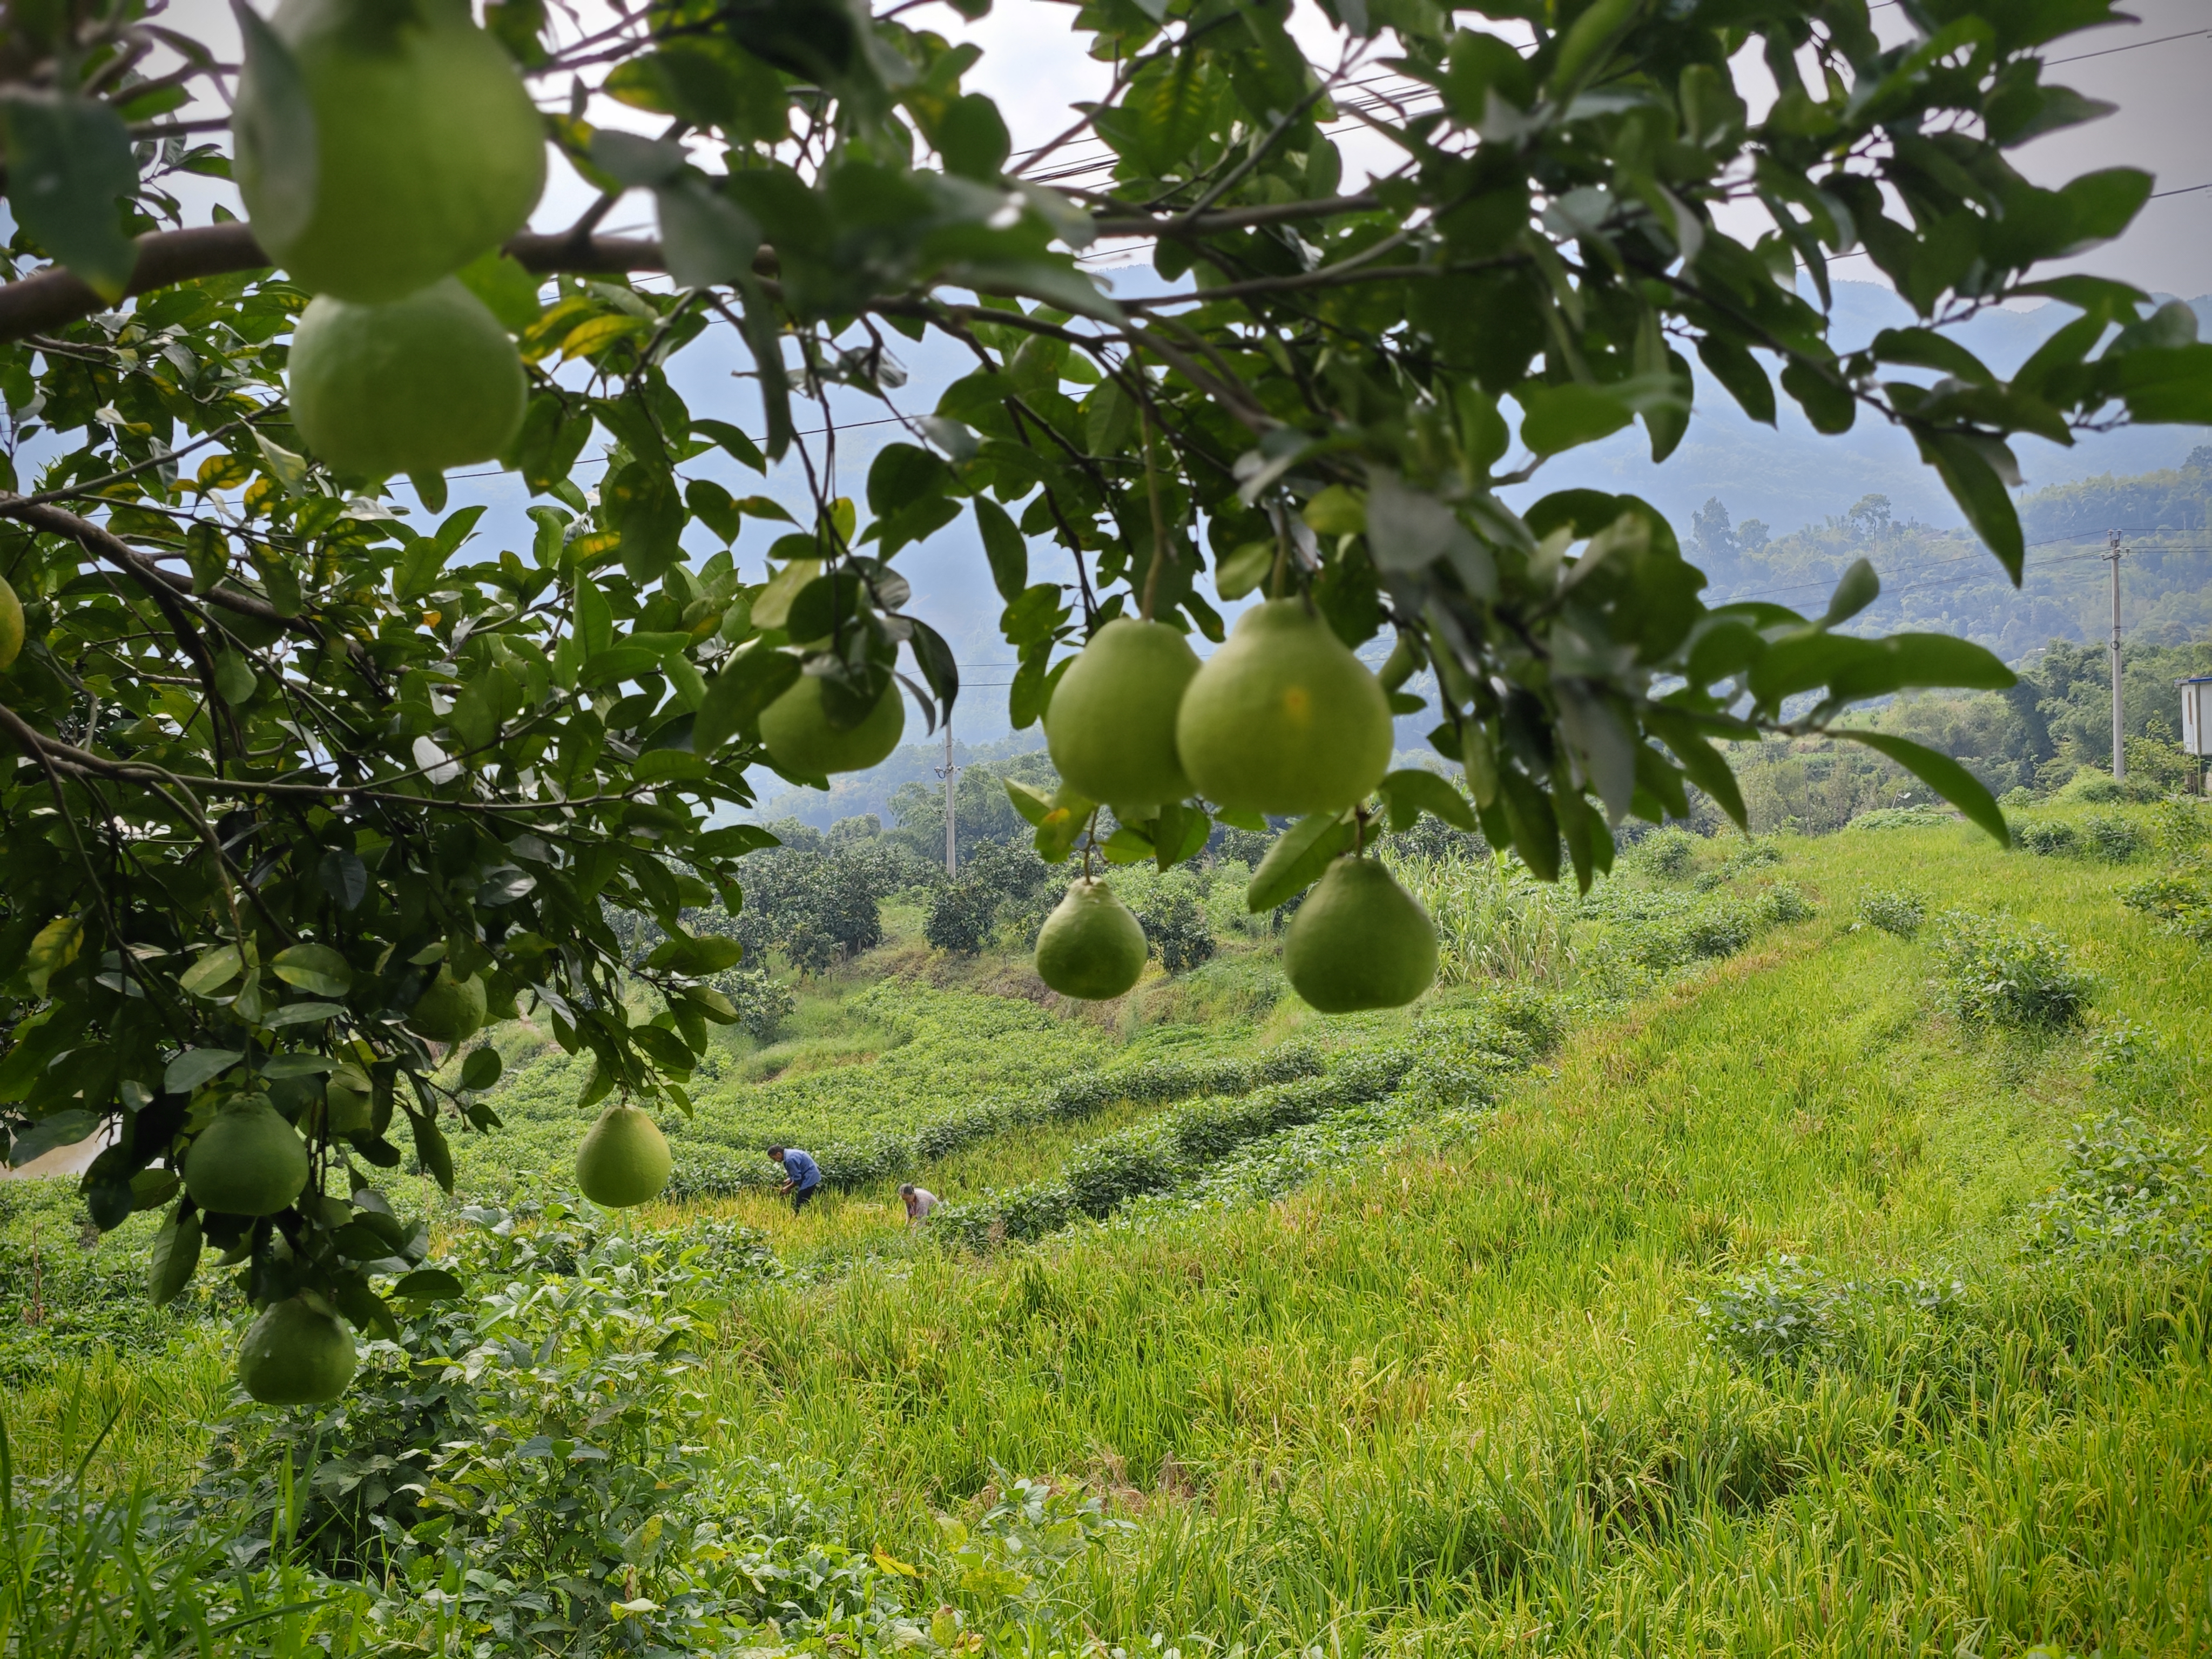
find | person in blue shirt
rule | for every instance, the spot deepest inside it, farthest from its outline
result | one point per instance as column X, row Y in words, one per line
column 802, row 1175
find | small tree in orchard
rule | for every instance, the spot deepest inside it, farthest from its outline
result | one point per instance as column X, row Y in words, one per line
column 309, row 778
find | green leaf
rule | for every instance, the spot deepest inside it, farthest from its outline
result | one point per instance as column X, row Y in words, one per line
column 1562, row 416
column 1240, row 572
column 1180, row 832
column 664, row 1049
column 431, row 1147
column 68, row 165
column 508, row 291
column 62, row 1129
column 709, row 239
column 212, row 971
column 972, row 138
column 1827, row 401
column 53, row 949
column 315, row 967
column 235, row 679
column 1410, row 791
column 430, row 1284
column 176, row 1257
column 1980, row 491
column 482, row 1068
column 1859, row 588
column 1004, row 547
column 696, row 955
column 196, row 1066
column 1298, row 858
column 643, row 508
column 1735, row 367
column 1942, row 773
column 2167, row 385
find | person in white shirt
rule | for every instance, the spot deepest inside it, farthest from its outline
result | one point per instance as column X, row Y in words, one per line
column 920, row 1201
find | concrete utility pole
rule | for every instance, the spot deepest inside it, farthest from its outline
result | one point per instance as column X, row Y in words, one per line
column 947, row 772
column 2119, row 726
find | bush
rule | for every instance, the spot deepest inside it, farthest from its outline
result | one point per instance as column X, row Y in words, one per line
column 2113, row 840
column 2178, row 904
column 1904, row 817
column 2130, row 1189
column 2024, row 978
column 2044, row 837
column 1898, row 913
column 962, row 916
column 1667, row 852
column 1177, row 931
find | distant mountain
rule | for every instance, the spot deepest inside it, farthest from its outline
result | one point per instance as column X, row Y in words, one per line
column 1942, row 579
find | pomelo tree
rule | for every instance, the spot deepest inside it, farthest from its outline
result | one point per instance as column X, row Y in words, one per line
column 309, row 778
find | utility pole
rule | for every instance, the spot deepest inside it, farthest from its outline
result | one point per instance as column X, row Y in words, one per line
column 947, row 772
column 2119, row 727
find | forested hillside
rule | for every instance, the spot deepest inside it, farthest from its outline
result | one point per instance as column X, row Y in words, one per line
column 1940, row 579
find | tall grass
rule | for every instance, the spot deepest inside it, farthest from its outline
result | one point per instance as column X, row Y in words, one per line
column 1494, row 921
column 1780, row 1313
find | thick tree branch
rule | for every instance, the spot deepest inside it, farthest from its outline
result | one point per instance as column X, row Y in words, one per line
column 167, row 589
column 55, row 296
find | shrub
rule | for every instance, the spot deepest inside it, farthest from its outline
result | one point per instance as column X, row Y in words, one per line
column 1899, row 913
column 1667, row 852
column 962, row 916
column 2044, row 837
column 2178, row 904
column 2024, row 978
column 2113, row 840
column 1785, row 1310
column 1905, row 818
column 2129, row 1188
column 1177, row 931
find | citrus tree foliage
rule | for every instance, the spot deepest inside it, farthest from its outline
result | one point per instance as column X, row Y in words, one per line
column 282, row 754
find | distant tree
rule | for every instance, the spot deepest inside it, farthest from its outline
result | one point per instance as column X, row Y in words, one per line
column 1710, row 528
column 1177, row 929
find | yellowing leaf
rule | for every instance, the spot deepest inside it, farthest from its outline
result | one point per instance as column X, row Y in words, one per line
column 221, row 472
column 891, row 1563
column 588, row 337
column 54, row 949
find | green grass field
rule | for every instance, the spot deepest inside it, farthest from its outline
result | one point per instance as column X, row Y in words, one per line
column 1778, row 1308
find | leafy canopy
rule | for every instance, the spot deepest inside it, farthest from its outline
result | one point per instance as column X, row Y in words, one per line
column 282, row 751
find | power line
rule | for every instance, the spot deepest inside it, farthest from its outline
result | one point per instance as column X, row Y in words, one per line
column 2132, row 46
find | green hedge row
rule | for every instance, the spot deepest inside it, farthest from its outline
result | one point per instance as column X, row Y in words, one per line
column 712, row 1171
column 1453, row 1062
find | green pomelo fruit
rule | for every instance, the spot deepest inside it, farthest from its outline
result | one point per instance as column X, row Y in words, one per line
column 427, row 150
column 248, row 1162
column 451, row 1010
column 1090, row 947
column 11, row 625
column 1283, row 718
column 800, row 739
column 349, row 1103
column 1360, row 940
column 295, row 1355
column 1112, row 723
column 426, row 383
column 624, row 1160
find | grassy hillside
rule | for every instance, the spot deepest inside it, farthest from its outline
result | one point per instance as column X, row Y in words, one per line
column 1719, row 1264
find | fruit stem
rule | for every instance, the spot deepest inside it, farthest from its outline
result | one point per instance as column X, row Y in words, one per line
column 1282, row 554
column 1090, row 842
column 1159, row 525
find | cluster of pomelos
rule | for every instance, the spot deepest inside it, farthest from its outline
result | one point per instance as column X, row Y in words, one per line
column 380, row 149
column 1283, row 720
